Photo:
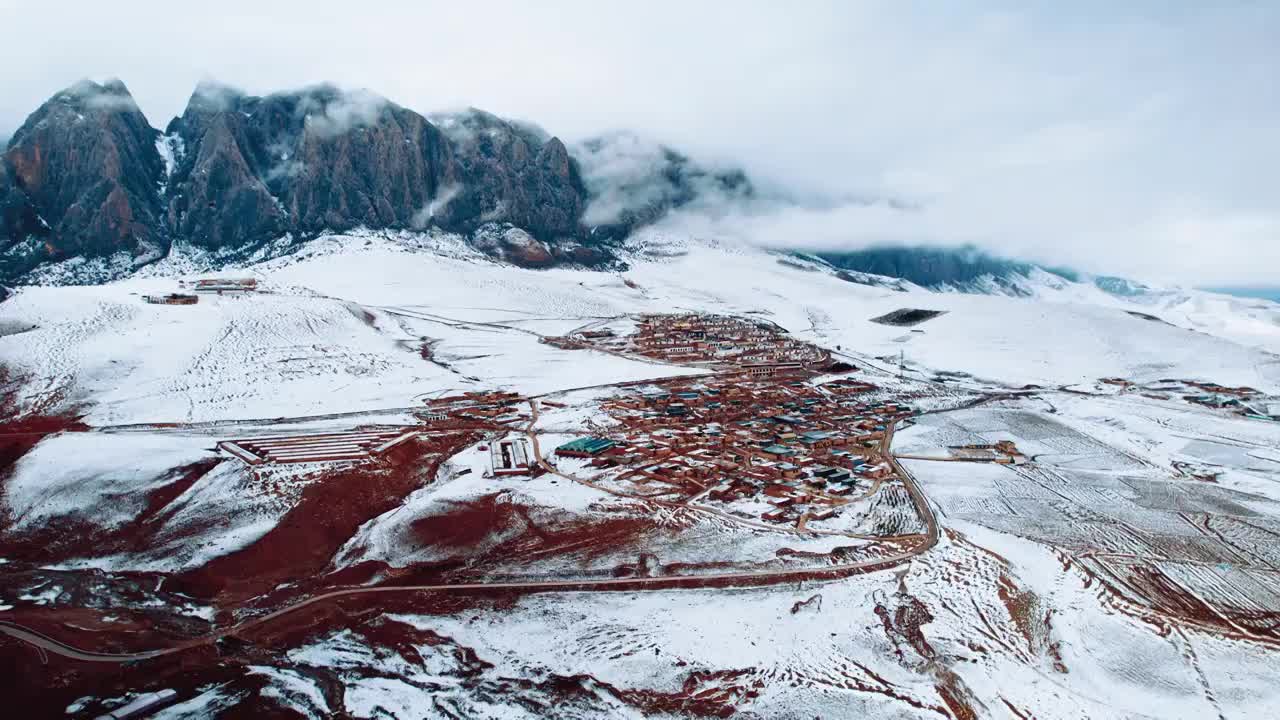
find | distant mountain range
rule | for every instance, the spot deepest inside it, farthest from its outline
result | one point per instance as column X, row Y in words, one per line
column 86, row 178
column 967, row 269
column 1249, row 291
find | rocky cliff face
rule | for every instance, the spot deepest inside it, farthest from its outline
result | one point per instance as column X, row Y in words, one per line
column 85, row 166
column 961, row 269
column 249, row 169
column 19, row 220
column 87, row 176
column 513, row 174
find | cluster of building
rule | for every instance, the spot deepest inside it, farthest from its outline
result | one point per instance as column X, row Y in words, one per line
column 715, row 340
column 207, row 286
column 512, row 457
column 223, row 286
column 1242, row 400
column 171, row 299
column 318, row 447
column 484, row 408
column 1004, row 452
column 783, row 450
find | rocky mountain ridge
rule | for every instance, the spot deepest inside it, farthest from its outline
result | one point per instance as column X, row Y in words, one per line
column 87, row 178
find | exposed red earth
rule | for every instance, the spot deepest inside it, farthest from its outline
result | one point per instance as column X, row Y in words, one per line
column 299, row 549
column 281, row 591
column 278, row 586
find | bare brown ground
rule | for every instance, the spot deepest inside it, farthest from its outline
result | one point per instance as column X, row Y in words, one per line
column 956, row 702
column 467, row 524
column 299, row 548
column 45, row 689
column 1141, row 591
column 903, row 617
column 18, row 436
column 703, row 694
column 296, row 552
column 67, row 537
column 470, row 526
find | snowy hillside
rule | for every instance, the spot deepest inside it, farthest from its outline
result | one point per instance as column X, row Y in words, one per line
column 1092, row 512
column 360, row 308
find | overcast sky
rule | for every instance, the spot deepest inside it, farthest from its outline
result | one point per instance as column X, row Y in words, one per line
column 1138, row 138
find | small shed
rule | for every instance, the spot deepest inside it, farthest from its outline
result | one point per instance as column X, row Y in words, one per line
column 171, row 299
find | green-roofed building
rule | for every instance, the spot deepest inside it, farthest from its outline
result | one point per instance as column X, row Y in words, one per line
column 584, row 447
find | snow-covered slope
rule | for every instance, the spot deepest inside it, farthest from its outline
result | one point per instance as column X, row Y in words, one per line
column 342, row 323
column 1059, row 336
column 1248, row 321
column 113, row 527
column 101, row 349
column 971, row 271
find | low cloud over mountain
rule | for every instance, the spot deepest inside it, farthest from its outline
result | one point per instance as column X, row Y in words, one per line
column 236, row 171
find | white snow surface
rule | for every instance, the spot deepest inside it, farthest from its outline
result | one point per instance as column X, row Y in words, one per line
column 338, row 328
column 102, row 478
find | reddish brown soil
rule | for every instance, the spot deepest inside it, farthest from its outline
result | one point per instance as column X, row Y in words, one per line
column 45, row 689
column 470, row 523
column 67, row 537
column 18, row 436
column 956, row 702
column 467, row 523
column 1020, row 714
column 299, row 548
column 1159, row 600
column 110, row 630
column 1021, row 606
column 703, row 694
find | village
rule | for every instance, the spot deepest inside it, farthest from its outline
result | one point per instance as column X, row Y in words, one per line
column 1244, row 401
column 779, row 434
column 715, row 341
column 780, row 450
column 230, row 287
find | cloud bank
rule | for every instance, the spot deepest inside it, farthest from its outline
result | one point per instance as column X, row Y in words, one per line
column 332, row 115
column 1134, row 138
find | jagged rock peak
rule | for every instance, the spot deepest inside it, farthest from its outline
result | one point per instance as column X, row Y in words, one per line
column 237, row 171
column 86, row 162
